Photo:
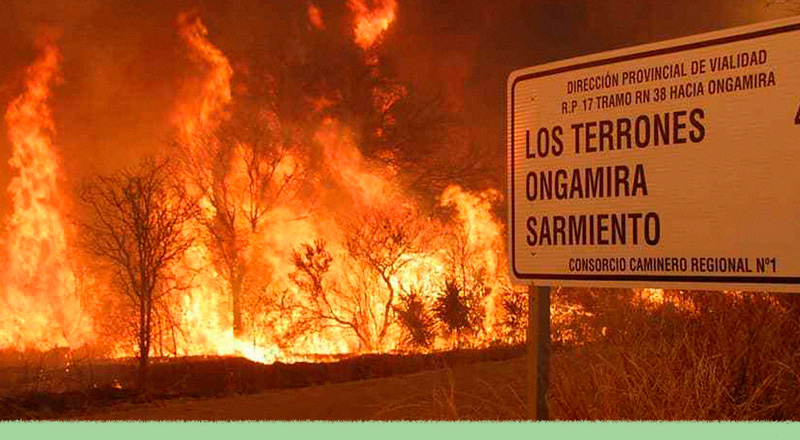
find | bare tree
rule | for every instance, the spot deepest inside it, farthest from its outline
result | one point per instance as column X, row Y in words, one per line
column 134, row 223
column 362, row 301
column 385, row 240
column 326, row 304
column 239, row 171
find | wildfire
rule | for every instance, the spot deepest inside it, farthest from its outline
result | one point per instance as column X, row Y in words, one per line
column 364, row 183
column 315, row 17
column 197, row 116
column 306, row 245
column 372, row 19
column 204, row 309
column 38, row 295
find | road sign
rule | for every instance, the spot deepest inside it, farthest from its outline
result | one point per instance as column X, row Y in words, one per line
column 675, row 164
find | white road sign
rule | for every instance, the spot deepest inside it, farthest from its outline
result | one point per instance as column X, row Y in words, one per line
column 673, row 164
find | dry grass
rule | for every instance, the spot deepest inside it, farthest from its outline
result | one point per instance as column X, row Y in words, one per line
column 473, row 393
column 694, row 356
column 699, row 356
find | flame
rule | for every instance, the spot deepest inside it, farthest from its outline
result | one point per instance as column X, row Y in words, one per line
column 362, row 180
column 347, row 199
column 38, row 292
column 372, row 19
column 202, row 115
column 315, row 17
column 483, row 240
column 204, row 309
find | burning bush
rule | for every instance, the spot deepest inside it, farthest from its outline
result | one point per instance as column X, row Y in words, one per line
column 459, row 311
column 417, row 322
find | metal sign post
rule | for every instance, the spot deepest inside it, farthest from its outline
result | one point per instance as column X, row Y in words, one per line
column 538, row 358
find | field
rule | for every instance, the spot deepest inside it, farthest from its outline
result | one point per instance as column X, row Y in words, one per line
column 488, row 390
column 676, row 356
column 94, row 387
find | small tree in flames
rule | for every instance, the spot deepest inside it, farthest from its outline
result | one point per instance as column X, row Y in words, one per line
column 416, row 321
column 384, row 240
column 134, row 224
column 514, row 322
column 240, row 171
column 326, row 306
column 459, row 310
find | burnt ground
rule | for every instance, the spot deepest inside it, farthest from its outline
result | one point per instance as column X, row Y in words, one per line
column 238, row 389
column 478, row 391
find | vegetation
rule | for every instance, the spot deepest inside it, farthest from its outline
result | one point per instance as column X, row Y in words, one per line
column 134, row 226
column 680, row 356
column 694, row 356
column 416, row 320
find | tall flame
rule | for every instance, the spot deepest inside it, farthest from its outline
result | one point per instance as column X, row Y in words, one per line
column 372, row 19
column 202, row 115
column 38, row 292
column 315, row 17
column 351, row 205
column 206, row 309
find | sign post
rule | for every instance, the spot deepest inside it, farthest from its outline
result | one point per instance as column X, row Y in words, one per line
column 538, row 351
column 668, row 165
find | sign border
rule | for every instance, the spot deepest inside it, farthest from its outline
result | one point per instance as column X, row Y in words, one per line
column 665, row 47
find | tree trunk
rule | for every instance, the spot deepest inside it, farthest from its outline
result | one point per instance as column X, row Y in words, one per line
column 144, row 360
column 236, row 299
column 144, row 342
column 387, row 308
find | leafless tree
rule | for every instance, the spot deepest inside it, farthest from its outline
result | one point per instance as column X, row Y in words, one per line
column 240, row 171
column 134, row 223
column 385, row 240
column 327, row 305
column 379, row 243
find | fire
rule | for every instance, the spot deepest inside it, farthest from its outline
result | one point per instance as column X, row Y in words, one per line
column 201, row 115
column 372, row 19
column 481, row 240
column 204, row 308
column 38, row 296
column 307, row 245
column 363, row 181
column 247, row 294
column 315, row 17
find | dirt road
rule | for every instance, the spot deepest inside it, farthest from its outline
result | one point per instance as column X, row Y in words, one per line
column 490, row 390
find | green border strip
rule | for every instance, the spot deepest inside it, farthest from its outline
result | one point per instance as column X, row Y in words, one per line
column 398, row 430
